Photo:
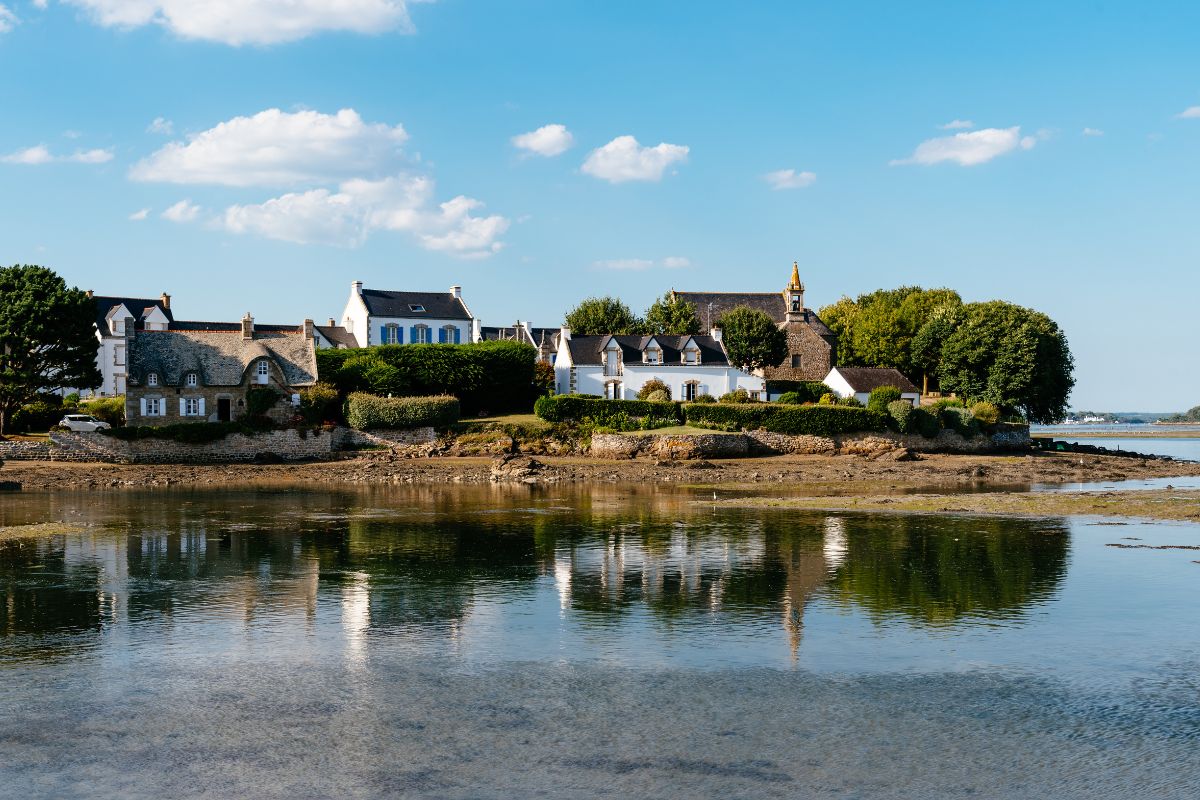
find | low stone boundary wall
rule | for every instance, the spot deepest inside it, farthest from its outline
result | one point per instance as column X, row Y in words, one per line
column 285, row 445
column 24, row 451
column 349, row 438
column 736, row 445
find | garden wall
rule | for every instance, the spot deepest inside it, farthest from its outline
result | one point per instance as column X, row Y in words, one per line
column 285, row 445
column 24, row 451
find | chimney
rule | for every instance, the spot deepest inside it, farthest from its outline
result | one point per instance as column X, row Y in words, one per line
column 356, row 287
column 564, row 333
column 129, row 323
column 308, row 329
column 247, row 327
column 715, row 333
column 90, row 294
column 166, row 301
column 331, row 323
column 456, row 292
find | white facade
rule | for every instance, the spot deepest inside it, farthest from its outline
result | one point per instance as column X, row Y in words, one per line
column 842, row 388
column 411, row 322
column 110, row 355
column 621, row 378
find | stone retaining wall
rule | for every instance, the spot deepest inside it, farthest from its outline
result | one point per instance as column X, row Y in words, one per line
column 349, row 438
column 736, row 445
column 24, row 451
column 285, row 445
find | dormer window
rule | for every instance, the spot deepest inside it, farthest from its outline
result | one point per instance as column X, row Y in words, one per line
column 691, row 356
column 118, row 326
column 263, row 371
column 152, row 379
column 653, row 355
column 191, row 380
column 416, row 308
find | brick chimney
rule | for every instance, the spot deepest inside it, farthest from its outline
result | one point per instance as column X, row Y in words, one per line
column 166, row 301
column 247, row 327
column 308, row 329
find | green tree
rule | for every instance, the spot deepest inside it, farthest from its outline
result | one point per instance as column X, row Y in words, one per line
column 671, row 316
column 927, row 344
column 1012, row 356
column 599, row 315
column 752, row 339
column 47, row 337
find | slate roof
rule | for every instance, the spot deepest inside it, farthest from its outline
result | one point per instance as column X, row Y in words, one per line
column 438, row 305
column 337, row 335
column 711, row 305
column 221, row 356
column 490, row 333
column 865, row 379
column 138, row 307
column 587, row 349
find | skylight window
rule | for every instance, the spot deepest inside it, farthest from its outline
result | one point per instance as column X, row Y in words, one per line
column 416, row 307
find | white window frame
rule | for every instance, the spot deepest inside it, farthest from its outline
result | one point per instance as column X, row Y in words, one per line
column 152, row 379
column 653, row 355
column 416, row 308
column 154, row 407
column 119, row 356
column 263, row 371
column 690, row 390
column 691, row 355
column 191, row 379
column 391, row 333
column 450, row 331
column 422, row 334
column 191, row 406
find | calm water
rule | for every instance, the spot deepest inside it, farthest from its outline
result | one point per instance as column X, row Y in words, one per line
column 1186, row 448
column 488, row 643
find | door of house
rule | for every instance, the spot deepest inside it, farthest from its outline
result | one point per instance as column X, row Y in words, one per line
column 223, row 409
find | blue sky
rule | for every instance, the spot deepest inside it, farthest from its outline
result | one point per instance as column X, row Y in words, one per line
column 374, row 140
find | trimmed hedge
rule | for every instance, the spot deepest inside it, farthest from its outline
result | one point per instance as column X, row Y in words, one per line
column 484, row 376
column 794, row 420
column 881, row 397
column 576, row 408
column 808, row 391
column 366, row 411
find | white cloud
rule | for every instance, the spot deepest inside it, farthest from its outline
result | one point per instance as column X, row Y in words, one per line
column 639, row 264
column 548, row 140
column 623, row 159
column 161, row 125
column 969, row 149
column 238, row 22
column 1192, row 112
column 1092, row 132
column 140, row 214
column 277, row 148
column 183, row 211
column 957, row 125
column 790, row 179
column 40, row 154
column 359, row 207
column 7, row 19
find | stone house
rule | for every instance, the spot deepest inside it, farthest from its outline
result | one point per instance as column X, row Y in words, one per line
column 206, row 371
column 617, row 366
column 859, row 382
column 812, row 346
column 151, row 314
column 378, row 316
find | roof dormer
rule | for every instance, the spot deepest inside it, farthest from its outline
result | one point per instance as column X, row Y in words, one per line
column 116, row 319
column 155, row 319
column 689, row 353
column 652, row 352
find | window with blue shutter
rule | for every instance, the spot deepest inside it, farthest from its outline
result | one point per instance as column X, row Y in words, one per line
column 413, row 334
column 383, row 334
column 399, row 335
column 457, row 336
column 441, row 335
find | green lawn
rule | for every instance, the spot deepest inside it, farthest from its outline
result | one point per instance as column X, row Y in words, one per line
column 502, row 419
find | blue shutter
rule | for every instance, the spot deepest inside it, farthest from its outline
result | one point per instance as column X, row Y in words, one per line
column 399, row 335
column 441, row 335
column 457, row 336
column 413, row 337
column 383, row 334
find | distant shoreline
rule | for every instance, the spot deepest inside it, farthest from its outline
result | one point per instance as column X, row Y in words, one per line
column 1148, row 434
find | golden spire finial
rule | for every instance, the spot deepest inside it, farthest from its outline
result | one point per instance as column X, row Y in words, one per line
column 795, row 284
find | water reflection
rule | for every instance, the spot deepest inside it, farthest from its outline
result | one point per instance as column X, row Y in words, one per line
column 433, row 567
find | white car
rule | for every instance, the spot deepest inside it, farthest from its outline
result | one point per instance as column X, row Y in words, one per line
column 83, row 423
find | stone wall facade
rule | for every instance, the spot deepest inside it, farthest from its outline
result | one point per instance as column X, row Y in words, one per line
column 285, row 445
column 174, row 399
column 813, row 352
column 24, row 451
column 350, row 439
column 671, row 447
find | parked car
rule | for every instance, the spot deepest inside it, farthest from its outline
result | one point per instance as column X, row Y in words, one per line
column 83, row 423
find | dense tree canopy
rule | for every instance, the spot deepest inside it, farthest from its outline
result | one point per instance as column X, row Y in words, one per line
column 47, row 337
column 878, row 329
column 670, row 316
column 752, row 339
column 1014, row 357
column 600, row 315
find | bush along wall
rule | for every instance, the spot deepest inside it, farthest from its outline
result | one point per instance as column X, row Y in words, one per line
column 627, row 415
column 367, row 411
column 189, row 432
column 803, row 391
column 792, row 420
column 486, row 377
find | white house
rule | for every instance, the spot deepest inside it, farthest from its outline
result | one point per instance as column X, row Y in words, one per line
column 860, row 381
column 148, row 314
column 376, row 316
column 616, row 366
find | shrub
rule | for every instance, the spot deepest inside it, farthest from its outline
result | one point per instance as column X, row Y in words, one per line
column 633, row 414
column 959, row 419
column 809, row 391
column 108, row 409
column 795, row 420
column 901, row 413
column 704, row 398
column 789, row 399
column 987, row 413
column 651, row 386
column 485, row 376
column 366, row 411
column 543, row 378
column 39, row 415
column 260, row 400
column 925, row 423
column 853, row 402
column 881, row 396
column 946, row 402
column 320, row 403
column 736, row 396
column 828, row 399
column 658, row 396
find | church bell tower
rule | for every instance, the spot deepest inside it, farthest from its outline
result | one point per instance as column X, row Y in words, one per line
column 794, row 295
